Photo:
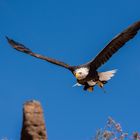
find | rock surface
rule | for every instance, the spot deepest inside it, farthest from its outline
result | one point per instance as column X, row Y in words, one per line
column 33, row 127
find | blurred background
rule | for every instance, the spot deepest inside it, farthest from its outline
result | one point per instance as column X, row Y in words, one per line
column 74, row 32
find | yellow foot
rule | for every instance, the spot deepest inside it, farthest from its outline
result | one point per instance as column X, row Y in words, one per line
column 90, row 89
column 100, row 84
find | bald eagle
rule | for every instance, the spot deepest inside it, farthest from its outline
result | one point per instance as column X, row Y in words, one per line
column 87, row 74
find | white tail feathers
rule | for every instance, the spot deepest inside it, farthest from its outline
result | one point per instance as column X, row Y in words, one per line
column 105, row 76
column 77, row 84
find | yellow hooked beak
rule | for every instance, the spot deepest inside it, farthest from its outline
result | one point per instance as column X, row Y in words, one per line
column 77, row 75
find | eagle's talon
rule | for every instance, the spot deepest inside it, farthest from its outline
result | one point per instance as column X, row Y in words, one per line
column 100, row 84
column 90, row 89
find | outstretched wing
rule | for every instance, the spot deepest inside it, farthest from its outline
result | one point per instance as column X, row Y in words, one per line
column 114, row 46
column 23, row 49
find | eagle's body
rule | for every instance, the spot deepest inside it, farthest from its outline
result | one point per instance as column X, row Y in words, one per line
column 87, row 74
column 89, row 80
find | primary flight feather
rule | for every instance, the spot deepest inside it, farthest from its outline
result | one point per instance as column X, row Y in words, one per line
column 87, row 74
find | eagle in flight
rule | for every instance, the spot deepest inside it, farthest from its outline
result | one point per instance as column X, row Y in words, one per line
column 87, row 74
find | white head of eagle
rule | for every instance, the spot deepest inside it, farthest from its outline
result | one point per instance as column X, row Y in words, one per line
column 81, row 73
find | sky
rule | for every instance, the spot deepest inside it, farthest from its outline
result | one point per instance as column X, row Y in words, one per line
column 74, row 32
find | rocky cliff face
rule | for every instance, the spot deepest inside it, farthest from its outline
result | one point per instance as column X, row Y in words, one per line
column 33, row 127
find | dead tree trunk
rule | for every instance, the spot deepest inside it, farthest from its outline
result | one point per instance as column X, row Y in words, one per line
column 33, row 127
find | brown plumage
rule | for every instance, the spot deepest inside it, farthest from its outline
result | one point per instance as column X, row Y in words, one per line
column 92, row 66
column 113, row 46
column 22, row 48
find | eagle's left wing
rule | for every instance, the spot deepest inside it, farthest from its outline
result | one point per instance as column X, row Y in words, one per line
column 114, row 46
column 23, row 49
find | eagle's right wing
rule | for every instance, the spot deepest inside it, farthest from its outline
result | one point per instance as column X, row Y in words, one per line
column 23, row 49
column 114, row 46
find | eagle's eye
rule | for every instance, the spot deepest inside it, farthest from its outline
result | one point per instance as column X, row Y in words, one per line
column 80, row 73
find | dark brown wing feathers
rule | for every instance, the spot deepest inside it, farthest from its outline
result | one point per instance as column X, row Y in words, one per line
column 24, row 49
column 114, row 46
column 100, row 59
